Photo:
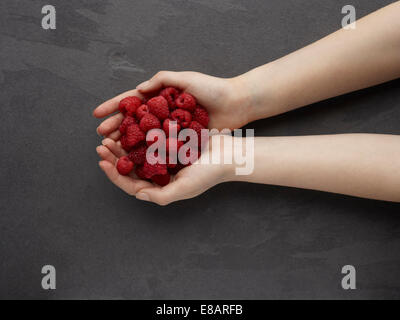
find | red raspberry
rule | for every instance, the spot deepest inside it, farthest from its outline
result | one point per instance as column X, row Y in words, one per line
column 170, row 94
column 176, row 168
column 201, row 116
column 173, row 145
column 171, row 124
column 141, row 111
column 149, row 122
column 159, row 107
column 138, row 153
column 139, row 172
column 161, row 180
column 186, row 101
column 124, row 165
column 126, row 123
column 169, row 164
column 194, row 125
column 153, row 136
column 133, row 136
column 183, row 117
column 129, row 105
column 149, row 170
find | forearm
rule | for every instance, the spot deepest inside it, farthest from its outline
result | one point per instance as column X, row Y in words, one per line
column 344, row 61
column 363, row 165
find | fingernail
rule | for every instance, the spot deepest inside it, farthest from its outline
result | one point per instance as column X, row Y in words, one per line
column 97, row 131
column 142, row 196
column 143, row 85
column 103, row 142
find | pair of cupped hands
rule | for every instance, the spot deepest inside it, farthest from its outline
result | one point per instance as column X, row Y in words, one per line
column 227, row 104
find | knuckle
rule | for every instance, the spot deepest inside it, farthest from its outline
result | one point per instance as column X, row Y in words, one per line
column 161, row 74
column 162, row 202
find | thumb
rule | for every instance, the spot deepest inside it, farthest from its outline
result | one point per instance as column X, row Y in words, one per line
column 173, row 191
column 164, row 79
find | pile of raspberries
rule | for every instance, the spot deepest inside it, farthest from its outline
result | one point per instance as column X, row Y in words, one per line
column 170, row 108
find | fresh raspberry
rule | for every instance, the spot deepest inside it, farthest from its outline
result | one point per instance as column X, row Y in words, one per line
column 170, row 94
column 176, row 168
column 141, row 111
column 129, row 105
column 201, row 116
column 124, row 165
column 138, row 153
column 153, row 136
column 149, row 122
column 149, row 170
column 171, row 125
column 169, row 164
column 161, row 180
column 183, row 117
column 133, row 136
column 186, row 101
column 139, row 172
column 173, row 145
column 194, row 125
column 159, row 107
column 126, row 123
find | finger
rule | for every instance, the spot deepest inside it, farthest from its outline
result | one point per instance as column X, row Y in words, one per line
column 110, row 124
column 164, row 79
column 165, row 195
column 114, row 147
column 105, row 154
column 110, row 106
column 116, row 135
column 128, row 184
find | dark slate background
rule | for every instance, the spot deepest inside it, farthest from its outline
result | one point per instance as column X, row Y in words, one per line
column 235, row 241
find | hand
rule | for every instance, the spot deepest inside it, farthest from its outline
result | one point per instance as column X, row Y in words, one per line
column 224, row 99
column 188, row 183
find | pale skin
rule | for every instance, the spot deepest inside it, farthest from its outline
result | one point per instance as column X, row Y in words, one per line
column 363, row 165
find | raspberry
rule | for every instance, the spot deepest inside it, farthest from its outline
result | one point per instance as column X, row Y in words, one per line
column 129, row 105
column 161, row 180
column 171, row 110
column 149, row 122
column 149, row 170
column 173, row 145
column 153, row 136
column 183, row 117
column 176, row 168
column 201, row 116
column 159, row 107
column 138, row 154
column 124, row 165
column 141, row 111
column 194, row 125
column 139, row 172
column 170, row 94
column 126, row 123
column 169, row 164
column 186, row 101
column 171, row 125
column 133, row 136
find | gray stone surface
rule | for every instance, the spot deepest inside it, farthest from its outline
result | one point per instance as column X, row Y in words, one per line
column 234, row 241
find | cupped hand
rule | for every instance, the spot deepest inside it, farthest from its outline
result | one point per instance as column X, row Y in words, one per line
column 187, row 183
column 224, row 99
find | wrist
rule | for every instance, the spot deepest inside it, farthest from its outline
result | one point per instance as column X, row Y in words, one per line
column 259, row 92
column 241, row 98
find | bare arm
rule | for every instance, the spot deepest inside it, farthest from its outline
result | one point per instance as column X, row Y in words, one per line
column 342, row 62
column 362, row 165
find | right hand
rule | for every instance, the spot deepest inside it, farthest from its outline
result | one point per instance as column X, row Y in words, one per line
column 224, row 99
